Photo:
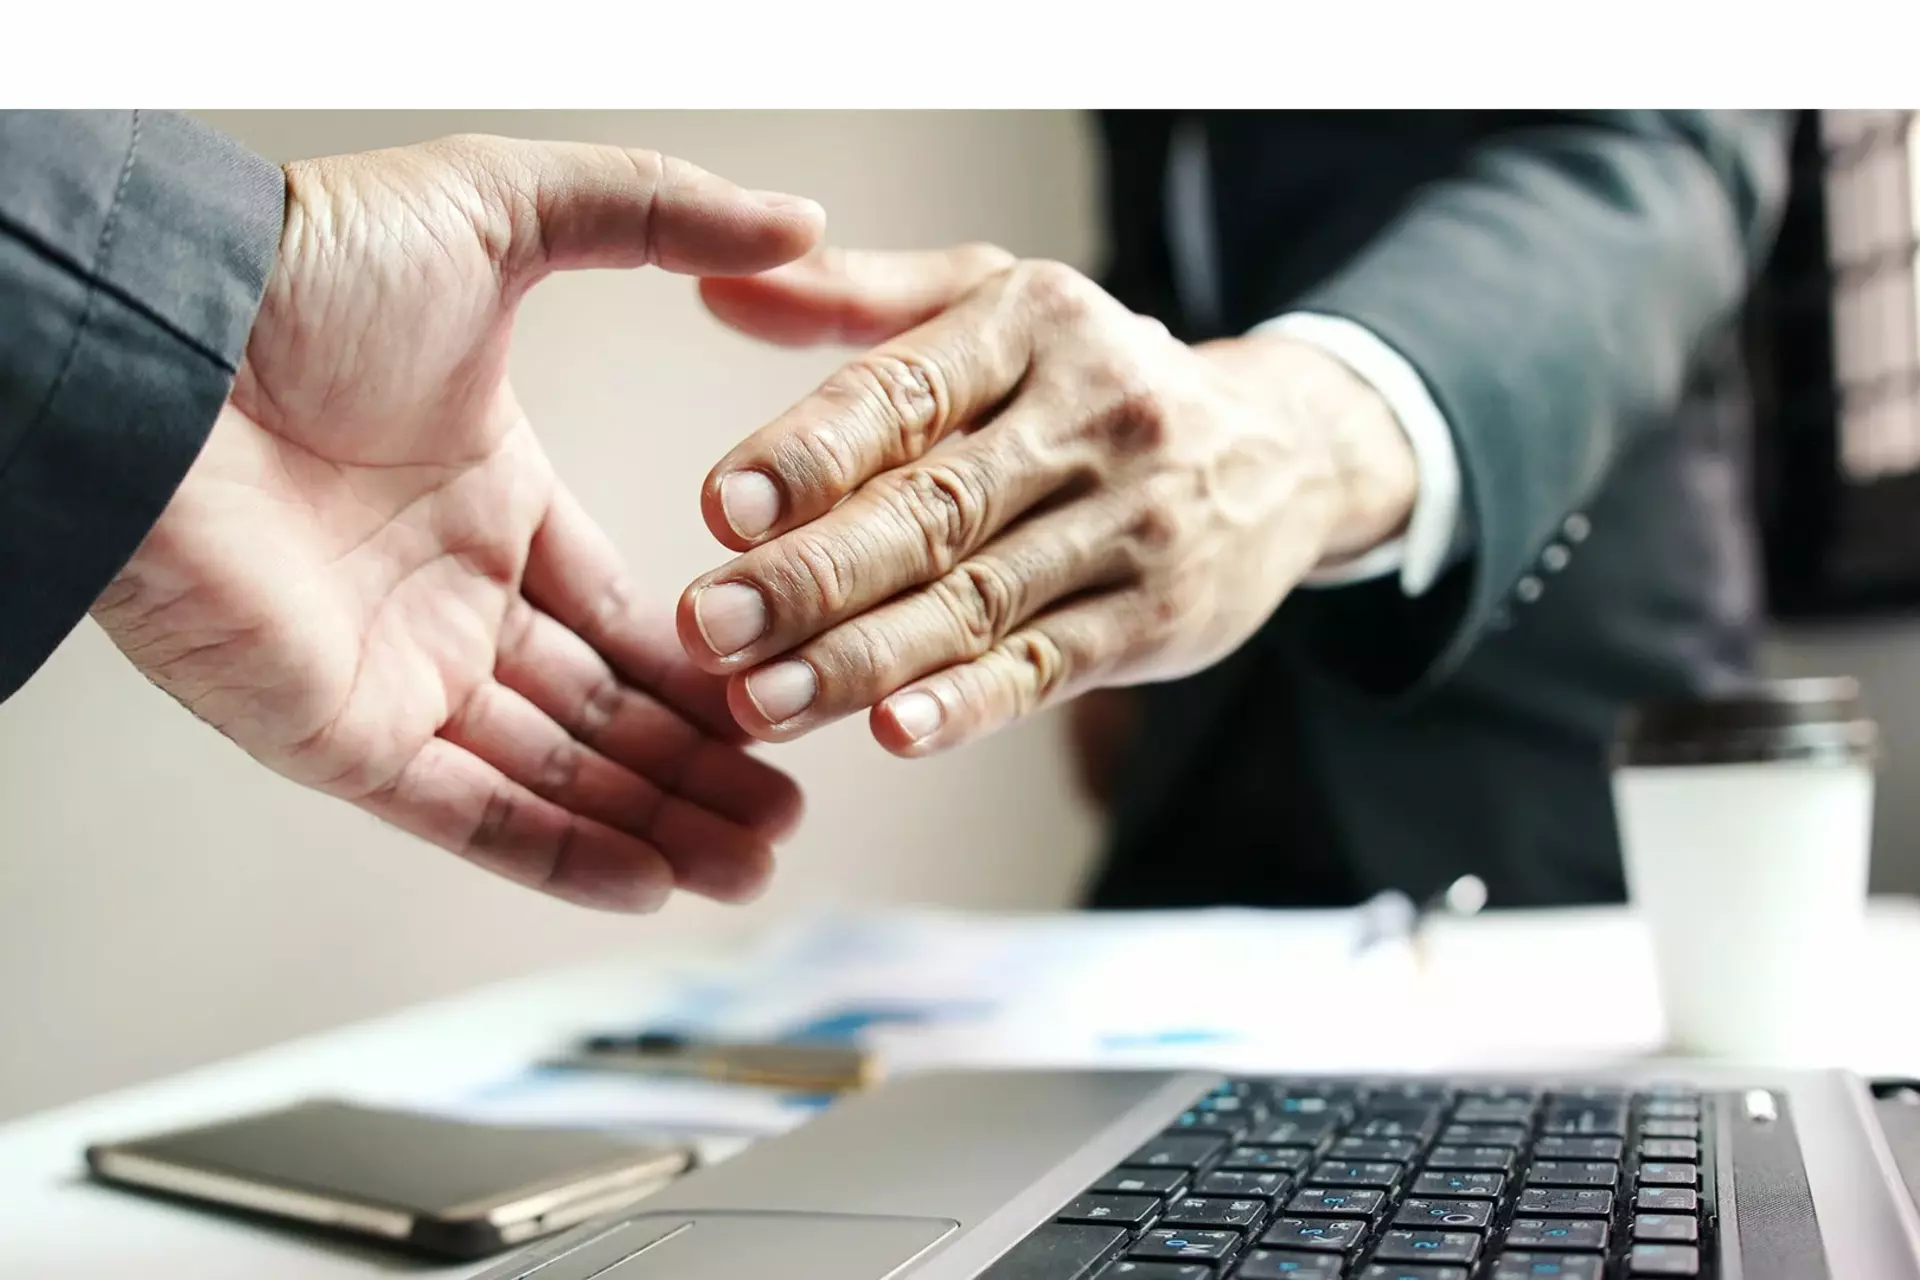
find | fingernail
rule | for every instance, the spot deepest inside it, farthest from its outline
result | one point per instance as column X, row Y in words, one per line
column 750, row 503
column 785, row 203
column 783, row 690
column 731, row 616
column 918, row 714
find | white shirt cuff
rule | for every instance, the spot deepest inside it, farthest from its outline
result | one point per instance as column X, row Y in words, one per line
column 1420, row 553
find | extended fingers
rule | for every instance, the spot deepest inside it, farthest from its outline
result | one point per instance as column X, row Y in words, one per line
column 958, row 617
column 708, row 853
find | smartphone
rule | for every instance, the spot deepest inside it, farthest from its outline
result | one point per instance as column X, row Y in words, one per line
column 423, row 1183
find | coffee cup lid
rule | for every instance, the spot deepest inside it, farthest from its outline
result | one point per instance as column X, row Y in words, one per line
column 1814, row 720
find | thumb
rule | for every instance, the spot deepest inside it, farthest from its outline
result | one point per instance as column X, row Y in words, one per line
column 851, row 297
column 572, row 206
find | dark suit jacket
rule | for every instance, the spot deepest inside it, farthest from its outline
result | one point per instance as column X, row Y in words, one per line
column 134, row 248
column 1567, row 285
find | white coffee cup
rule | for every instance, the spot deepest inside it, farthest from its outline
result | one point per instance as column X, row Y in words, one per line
column 1745, row 822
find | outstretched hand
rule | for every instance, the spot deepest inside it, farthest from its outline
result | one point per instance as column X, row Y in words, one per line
column 1023, row 492
column 373, row 582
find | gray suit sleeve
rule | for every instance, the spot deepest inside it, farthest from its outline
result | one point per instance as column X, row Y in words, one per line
column 1553, row 295
column 134, row 249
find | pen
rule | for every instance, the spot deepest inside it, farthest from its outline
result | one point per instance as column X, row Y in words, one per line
column 803, row 1067
column 1394, row 916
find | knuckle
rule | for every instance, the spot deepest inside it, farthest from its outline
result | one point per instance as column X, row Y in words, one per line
column 612, row 608
column 983, row 599
column 908, row 393
column 818, row 458
column 818, row 573
column 559, row 769
column 945, row 507
column 1055, row 290
column 1154, row 531
column 1140, row 419
column 1167, row 608
column 1153, row 328
column 861, row 653
column 496, row 819
column 983, row 259
column 601, row 703
column 1037, row 666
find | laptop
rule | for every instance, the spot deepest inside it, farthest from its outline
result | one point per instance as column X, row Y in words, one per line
column 1109, row 1175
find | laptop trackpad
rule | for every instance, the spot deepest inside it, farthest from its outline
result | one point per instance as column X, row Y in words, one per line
column 699, row 1245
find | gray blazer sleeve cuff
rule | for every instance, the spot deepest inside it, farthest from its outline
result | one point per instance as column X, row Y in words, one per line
column 134, row 249
column 1552, row 297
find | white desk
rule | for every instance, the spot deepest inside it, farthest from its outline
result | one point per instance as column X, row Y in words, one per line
column 1552, row 990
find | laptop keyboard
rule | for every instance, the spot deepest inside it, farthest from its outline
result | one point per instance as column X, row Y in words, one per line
column 1334, row 1180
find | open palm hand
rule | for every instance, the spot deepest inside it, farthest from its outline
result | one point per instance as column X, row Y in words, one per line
column 372, row 580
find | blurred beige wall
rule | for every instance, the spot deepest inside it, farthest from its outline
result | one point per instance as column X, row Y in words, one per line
column 164, row 901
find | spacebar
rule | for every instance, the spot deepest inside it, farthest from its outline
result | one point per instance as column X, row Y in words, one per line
column 1056, row 1253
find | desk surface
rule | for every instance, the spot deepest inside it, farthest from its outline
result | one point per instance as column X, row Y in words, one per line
column 54, row 1225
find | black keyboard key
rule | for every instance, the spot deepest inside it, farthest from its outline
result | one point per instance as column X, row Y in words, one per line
column 1143, row 1182
column 1132, row 1212
column 1409, row 1091
column 1292, row 1106
column 1404, row 1110
column 1672, row 1109
column 1669, row 1149
column 1176, row 1152
column 1670, row 1128
column 1394, row 1126
column 1563, row 1148
column 1546, row 1266
column 1573, row 1173
column 1501, row 1093
column 1667, row 1200
column 1461, row 1247
column 1494, row 1111
column 1591, row 1095
column 1663, row 1260
column 1343, row 1202
column 1660, row 1173
column 1401, row 1149
column 1057, row 1253
column 1668, row 1228
column 1231, row 1104
column 1357, row 1173
column 1326, row 1235
column 1278, row 1264
column 1484, row 1135
column 1586, row 1119
column 1267, row 1159
column 1237, row 1184
column 1224, row 1124
column 1411, row 1271
column 1185, row 1244
column 1454, row 1215
column 1564, row 1202
column 1227, row 1215
column 1471, row 1184
column 1128, row 1269
column 1498, row 1159
column 1557, row 1233
column 1296, row 1131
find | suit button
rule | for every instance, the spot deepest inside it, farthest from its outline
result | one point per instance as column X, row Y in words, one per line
column 1576, row 527
column 1554, row 558
column 1528, row 589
